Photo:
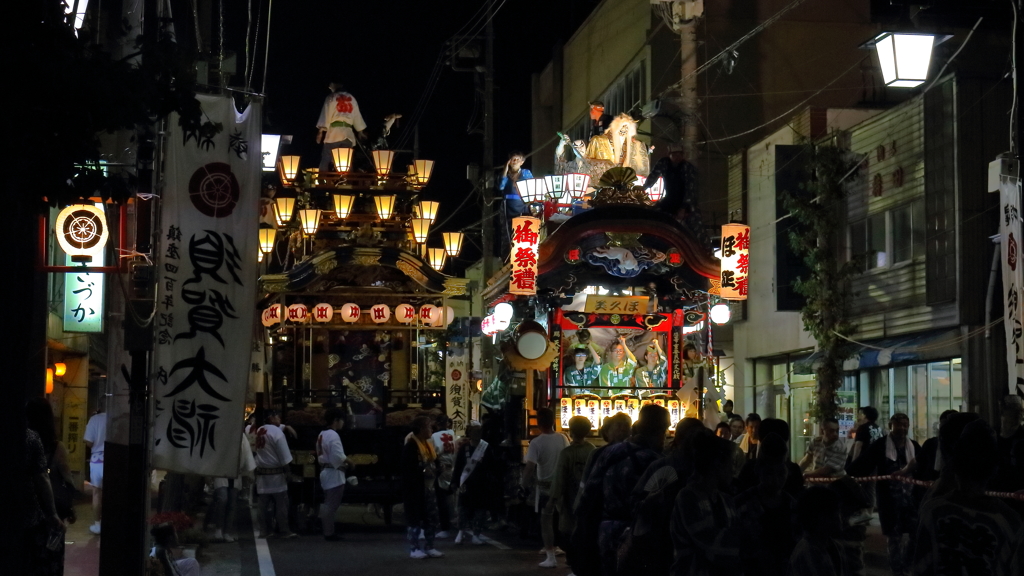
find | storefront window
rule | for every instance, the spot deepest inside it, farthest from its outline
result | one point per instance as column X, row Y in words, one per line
column 922, row 391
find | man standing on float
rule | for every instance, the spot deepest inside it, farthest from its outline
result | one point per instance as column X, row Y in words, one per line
column 338, row 118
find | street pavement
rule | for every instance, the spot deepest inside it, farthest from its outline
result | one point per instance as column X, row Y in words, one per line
column 369, row 548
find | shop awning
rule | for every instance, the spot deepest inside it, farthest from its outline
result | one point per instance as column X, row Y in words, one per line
column 915, row 348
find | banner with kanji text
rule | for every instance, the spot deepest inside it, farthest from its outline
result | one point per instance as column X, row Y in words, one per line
column 1013, row 283
column 525, row 251
column 207, row 290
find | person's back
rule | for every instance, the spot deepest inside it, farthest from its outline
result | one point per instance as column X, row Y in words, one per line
column 817, row 553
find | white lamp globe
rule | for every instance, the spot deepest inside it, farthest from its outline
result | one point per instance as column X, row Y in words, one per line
column 720, row 314
column 503, row 311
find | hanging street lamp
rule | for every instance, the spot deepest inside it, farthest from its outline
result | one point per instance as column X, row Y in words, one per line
column 904, row 57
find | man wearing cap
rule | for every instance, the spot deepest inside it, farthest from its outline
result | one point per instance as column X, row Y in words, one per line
column 580, row 378
column 339, row 116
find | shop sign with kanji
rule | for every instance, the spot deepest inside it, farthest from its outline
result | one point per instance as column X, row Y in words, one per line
column 616, row 304
column 735, row 257
column 525, row 250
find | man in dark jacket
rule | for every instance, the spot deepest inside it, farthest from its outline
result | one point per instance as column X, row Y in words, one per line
column 419, row 471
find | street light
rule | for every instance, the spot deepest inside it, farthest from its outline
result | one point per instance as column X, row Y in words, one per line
column 268, row 234
column 343, row 205
column 285, row 207
column 720, row 314
column 904, row 57
column 310, row 218
column 452, row 243
column 382, row 160
column 436, row 258
column 289, row 167
column 423, row 170
column 342, row 159
column 385, row 203
column 420, row 229
column 428, row 210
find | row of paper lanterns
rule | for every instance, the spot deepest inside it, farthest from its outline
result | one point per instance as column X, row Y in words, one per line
column 428, row 314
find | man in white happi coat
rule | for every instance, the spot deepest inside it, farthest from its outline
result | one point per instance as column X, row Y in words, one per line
column 339, row 124
column 333, row 462
column 272, row 459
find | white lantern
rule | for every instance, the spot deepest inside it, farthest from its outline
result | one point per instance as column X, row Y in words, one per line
column 405, row 313
column 270, row 317
column 428, row 314
column 904, row 58
column 720, row 314
column 503, row 311
column 657, row 190
column 323, row 312
column 350, row 312
column 449, row 315
column 380, row 313
column 298, row 313
column 275, row 314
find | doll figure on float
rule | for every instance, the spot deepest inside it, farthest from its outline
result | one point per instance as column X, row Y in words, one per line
column 618, row 146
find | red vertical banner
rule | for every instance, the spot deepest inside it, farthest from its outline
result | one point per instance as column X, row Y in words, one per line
column 735, row 256
column 525, row 250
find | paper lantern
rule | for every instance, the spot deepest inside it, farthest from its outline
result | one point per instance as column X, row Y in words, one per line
column 284, row 206
column 555, row 184
column 420, row 229
column 385, row 205
column 405, row 313
column 310, row 219
column 428, row 210
column 503, row 311
column 342, row 159
column 289, row 167
column 273, row 315
column 343, row 204
column 423, row 169
column 576, row 185
column 298, row 313
column 657, row 190
column 323, row 312
column 428, row 314
column 437, row 256
column 350, row 312
column 60, row 368
column 380, row 313
column 49, row 380
column 449, row 315
column 382, row 160
column 268, row 234
column 720, row 314
column 452, row 243
column 532, row 190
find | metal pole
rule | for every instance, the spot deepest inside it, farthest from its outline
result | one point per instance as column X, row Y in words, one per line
column 688, row 88
column 488, row 196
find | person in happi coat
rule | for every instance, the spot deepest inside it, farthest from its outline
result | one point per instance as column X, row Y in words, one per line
column 419, row 472
column 476, row 480
column 339, row 125
column 581, row 377
column 617, row 368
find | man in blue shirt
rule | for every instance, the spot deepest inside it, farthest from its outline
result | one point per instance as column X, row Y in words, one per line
column 514, row 172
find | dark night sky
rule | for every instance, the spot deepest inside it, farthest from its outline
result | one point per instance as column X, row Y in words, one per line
column 384, row 52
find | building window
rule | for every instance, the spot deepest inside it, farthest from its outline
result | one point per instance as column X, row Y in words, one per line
column 627, row 94
column 921, row 391
column 888, row 238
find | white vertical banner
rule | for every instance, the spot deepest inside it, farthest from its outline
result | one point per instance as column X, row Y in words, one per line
column 457, row 388
column 207, row 277
column 1013, row 283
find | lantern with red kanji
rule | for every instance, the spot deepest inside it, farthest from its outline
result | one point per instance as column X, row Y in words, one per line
column 428, row 314
column 350, row 312
column 298, row 313
column 323, row 312
column 380, row 313
column 405, row 313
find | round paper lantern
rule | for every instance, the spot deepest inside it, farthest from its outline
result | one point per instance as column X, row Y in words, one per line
column 449, row 315
column 531, row 342
column 350, row 312
column 428, row 314
column 272, row 315
column 405, row 313
column 720, row 314
column 298, row 313
column 323, row 312
column 380, row 313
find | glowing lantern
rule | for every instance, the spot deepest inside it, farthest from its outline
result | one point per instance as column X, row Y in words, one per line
column 423, row 170
column 350, row 312
column 452, row 243
column 382, row 159
column 437, row 258
column 532, row 190
column 289, row 167
column 720, row 314
column 342, row 159
column 323, row 312
column 285, row 206
column 904, row 58
column 428, row 314
column 273, row 315
column 60, row 369
column 576, row 185
column 428, row 210
column 449, row 315
column 310, row 219
column 555, row 185
column 298, row 313
column 49, row 380
column 656, row 191
column 343, row 204
column 268, row 235
column 385, row 205
column 420, row 229
column 380, row 313
column 405, row 313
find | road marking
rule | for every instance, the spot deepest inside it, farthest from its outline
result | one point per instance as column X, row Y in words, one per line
column 262, row 549
column 495, row 543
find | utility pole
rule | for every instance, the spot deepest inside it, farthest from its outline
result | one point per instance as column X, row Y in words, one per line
column 686, row 13
column 488, row 196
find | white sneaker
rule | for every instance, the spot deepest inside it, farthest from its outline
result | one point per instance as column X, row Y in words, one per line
column 435, row 553
column 417, row 554
column 95, row 528
column 218, row 534
column 459, row 537
column 442, row 534
column 478, row 540
column 549, row 562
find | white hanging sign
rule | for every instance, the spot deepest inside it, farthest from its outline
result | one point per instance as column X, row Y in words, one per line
column 1013, row 283
column 207, row 266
